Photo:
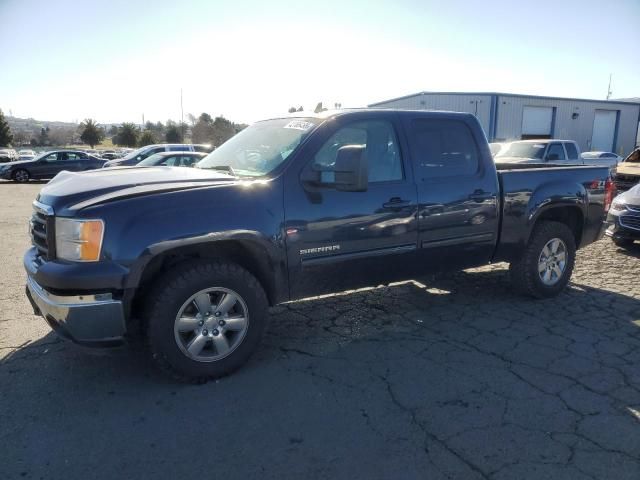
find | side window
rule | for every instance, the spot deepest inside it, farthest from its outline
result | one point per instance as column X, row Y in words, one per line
column 572, row 151
column 179, row 148
column 201, row 148
column 381, row 149
column 443, row 148
column 53, row 157
column 72, row 156
column 555, row 152
column 187, row 160
column 150, row 152
column 608, row 155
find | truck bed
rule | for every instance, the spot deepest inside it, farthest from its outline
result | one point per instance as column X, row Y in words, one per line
column 526, row 189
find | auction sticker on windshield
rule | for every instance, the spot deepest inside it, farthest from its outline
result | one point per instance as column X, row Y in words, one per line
column 299, row 125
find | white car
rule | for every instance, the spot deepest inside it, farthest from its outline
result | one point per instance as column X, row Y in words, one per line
column 554, row 151
column 609, row 159
column 26, row 154
column 8, row 155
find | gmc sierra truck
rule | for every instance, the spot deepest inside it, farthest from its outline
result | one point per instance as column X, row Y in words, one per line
column 191, row 258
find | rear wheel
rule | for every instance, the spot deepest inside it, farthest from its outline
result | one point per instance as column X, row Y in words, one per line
column 205, row 319
column 21, row 175
column 547, row 263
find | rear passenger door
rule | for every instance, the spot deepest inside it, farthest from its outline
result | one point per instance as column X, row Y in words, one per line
column 457, row 193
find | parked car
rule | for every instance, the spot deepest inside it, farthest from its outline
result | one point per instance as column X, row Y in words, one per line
column 8, row 155
column 26, row 154
column 172, row 159
column 290, row 208
column 49, row 164
column 624, row 218
column 628, row 171
column 108, row 154
column 137, row 156
column 601, row 158
column 536, row 151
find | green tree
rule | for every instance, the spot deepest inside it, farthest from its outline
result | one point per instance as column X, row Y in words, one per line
column 223, row 130
column 6, row 137
column 147, row 138
column 127, row 135
column 91, row 134
column 292, row 110
column 173, row 135
column 202, row 131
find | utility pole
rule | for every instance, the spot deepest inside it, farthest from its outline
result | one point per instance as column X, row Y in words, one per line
column 609, row 92
column 181, row 116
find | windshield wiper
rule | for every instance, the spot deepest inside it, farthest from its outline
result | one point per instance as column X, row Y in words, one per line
column 223, row 168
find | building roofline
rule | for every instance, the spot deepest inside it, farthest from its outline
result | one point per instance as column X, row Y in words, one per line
column 498, row 94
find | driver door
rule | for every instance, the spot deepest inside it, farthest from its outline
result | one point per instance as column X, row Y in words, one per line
column 338, row 240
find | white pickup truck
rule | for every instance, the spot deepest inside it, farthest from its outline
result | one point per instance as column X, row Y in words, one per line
column 548, row 150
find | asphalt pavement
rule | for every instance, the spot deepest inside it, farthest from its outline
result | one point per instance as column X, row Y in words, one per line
column 448, row 377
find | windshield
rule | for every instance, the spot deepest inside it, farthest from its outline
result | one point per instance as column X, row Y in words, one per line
column 260, row 148
column 634, row 157
column 133, row 154
column 523, row 150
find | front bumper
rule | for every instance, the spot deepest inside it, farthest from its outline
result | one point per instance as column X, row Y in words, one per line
column 95, row 320
column 621, row 230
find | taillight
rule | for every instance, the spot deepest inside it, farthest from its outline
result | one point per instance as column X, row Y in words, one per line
column 609, row 193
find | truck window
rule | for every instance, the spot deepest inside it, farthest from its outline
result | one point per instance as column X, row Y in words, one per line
column 442, row 148
column 555, row 152
column 572, row 151
column 381, row 148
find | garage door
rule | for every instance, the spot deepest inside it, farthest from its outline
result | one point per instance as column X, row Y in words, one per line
column 536, row 122
column 604, row 130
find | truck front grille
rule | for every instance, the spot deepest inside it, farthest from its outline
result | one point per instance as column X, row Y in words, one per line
column 625, row 182
column 41, row 226
column 630, row 221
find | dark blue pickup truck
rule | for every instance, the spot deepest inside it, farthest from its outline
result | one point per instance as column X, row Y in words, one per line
column 190, row 258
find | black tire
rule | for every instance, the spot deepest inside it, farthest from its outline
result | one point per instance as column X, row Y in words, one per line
column 622, row 242
column 524, row 272
column 169, row 294
column 21, row 176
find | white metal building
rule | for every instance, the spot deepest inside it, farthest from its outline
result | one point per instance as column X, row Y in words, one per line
column 607, row 125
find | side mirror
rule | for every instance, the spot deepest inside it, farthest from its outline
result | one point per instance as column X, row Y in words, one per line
column 352, row 169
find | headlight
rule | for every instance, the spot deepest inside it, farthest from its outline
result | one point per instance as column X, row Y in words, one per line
column 79, row 240
column 618, row 206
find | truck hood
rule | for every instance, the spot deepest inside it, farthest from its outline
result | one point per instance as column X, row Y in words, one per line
column 629, row 168
column 631, row 196
column 73, row 191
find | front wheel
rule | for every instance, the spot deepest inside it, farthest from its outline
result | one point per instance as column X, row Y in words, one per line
column 205, row 319
column 547, row 263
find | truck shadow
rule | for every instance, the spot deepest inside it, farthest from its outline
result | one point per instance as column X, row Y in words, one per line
column 426, row 307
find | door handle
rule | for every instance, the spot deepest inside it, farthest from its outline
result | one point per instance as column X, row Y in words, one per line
column 481, row 196
column 396, row 202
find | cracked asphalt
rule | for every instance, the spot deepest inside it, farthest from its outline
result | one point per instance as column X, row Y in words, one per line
column 447, row 377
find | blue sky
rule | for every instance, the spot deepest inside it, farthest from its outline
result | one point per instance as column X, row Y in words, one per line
column 116, row 60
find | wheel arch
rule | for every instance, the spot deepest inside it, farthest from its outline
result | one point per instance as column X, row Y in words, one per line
column 250, row 254
column 570, row 215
